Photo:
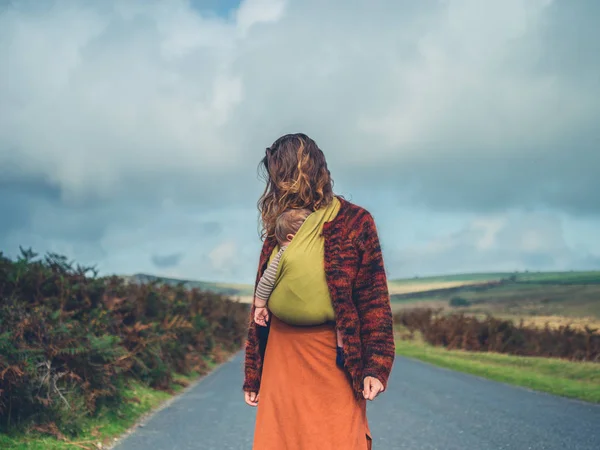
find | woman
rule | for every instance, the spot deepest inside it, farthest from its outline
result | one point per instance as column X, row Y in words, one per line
column 305, row 401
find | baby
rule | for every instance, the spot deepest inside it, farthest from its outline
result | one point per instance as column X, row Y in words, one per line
column 286, row 226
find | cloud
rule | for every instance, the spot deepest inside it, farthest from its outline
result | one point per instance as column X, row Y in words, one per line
column 118, row 116
column 223, row 255
column 254, row 12
column 99, row 95
column 507, row 242
column 167, row 261
column 228, row 261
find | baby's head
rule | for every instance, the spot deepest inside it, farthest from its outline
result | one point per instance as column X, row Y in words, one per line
column 288, row 223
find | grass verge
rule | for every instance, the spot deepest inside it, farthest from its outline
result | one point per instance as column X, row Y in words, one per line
column 565, row 378
column 101, row 430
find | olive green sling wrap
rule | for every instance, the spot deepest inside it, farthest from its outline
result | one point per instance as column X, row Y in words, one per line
column 300, row 295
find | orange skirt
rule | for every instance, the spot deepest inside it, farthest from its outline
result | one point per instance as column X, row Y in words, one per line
column 305, row 400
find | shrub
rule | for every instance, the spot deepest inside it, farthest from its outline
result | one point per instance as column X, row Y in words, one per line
column 458, row 302
column 458, row 331
column 70, row 341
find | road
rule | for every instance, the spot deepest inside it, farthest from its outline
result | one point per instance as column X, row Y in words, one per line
column 425, row 408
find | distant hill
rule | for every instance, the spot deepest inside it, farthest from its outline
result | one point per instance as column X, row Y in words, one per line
column 453, row 282
column 512, row 294
column 403, row 287
column 231, row 289
column 569, row 277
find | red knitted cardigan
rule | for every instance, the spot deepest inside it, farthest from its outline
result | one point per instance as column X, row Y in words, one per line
column 357, row 282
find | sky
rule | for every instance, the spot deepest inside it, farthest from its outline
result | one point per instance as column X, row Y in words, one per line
column 131, row 131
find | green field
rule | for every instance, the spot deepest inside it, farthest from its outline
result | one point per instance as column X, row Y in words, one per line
column 524, row 299
column 586, row 277
column 468, row 277
column 539, row 299
column 555, row 376
column 567, row 294
column 589, row 277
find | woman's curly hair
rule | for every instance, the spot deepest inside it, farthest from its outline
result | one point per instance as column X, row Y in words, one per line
column 296, row 176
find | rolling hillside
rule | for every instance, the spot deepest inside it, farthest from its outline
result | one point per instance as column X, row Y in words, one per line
column 567, row 294
column 556, row 297
column 409, row 285
column 230, row 289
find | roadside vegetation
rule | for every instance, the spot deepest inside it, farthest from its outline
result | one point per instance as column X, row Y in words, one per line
column 578, row 380
column 554, row 298
column 82, row 357
column 537, row 330
column 461, row 332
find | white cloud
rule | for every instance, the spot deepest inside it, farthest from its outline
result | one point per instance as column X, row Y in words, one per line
column 254, row 12
column 488, row 229
column 513, row 241
column 474, row 88
column 223, row 256
column 96, row 93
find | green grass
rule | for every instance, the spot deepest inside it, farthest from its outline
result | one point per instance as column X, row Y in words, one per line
column 539, row 299
column 564, row 378
column 525, row 299
column 583, row 277
column 103, row 428
column 589, row 277
column 481, row 277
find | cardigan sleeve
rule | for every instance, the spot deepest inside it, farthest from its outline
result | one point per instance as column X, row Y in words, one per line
column 257, row 336
column 252, row 357
column 371, row 296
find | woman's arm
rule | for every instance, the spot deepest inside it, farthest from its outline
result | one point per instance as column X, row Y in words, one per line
column 257, row 336
column 267, row 281
column 371, row 296
column 252, row 356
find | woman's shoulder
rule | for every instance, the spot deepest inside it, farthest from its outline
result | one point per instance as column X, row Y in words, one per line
column 355, row 222
column 351, row 212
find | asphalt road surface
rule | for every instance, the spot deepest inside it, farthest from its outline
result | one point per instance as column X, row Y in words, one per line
column 425, row 408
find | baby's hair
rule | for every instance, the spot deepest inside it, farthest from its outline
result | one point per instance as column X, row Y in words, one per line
column 289, row 222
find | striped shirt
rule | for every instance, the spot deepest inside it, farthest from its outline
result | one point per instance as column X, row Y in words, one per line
column 267, row 281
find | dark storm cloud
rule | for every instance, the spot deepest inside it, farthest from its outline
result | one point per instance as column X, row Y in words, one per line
column 566, row 182
column 19, row 197
column 33, row 204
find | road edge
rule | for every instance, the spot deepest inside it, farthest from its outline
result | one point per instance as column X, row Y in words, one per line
column 490, row 380
column 145, row 418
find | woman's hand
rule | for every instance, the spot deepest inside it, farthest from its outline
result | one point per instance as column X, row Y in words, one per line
column 261, row 316
column 251, row 398
column 372, row 388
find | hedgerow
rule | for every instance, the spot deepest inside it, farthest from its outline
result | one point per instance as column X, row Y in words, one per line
column 70, row 341
column 460, row 331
